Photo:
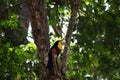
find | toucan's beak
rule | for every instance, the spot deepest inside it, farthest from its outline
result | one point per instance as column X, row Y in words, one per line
column 60, row 45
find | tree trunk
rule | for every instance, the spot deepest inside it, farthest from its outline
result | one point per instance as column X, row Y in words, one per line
column 75, row 4
column 95, row 73
column 40, row 30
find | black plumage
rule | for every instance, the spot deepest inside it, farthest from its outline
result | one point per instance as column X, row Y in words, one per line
column 54, row 50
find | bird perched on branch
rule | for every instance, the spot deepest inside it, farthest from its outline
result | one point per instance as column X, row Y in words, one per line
column 53, row 54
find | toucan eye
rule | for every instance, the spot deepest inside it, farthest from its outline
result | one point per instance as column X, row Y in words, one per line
column 59, row 45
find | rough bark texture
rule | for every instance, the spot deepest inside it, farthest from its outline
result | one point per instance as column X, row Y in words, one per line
column 40, row 29
column 74, row 10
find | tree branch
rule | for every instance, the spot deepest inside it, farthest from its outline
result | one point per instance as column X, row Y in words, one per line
column 55, row 27
column 57, row 31
column 74, row 10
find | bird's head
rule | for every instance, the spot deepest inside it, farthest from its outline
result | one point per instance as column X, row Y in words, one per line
column 58, row 44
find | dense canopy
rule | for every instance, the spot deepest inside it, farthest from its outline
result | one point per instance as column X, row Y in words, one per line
column 94, row 47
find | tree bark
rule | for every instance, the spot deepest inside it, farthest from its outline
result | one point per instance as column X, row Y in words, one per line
column 57, row 31
column 75, row 4
column 40, row 29
column 95, row 73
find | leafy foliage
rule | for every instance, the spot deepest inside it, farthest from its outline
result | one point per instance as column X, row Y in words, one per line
column 17, row 62
column 13, row 22
column 95, row 42
column 98, row 36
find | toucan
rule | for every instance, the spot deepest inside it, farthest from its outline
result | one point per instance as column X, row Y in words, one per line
column 53, row 56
